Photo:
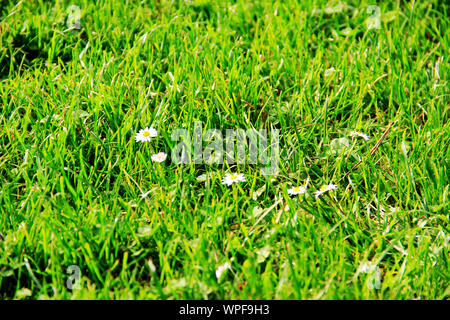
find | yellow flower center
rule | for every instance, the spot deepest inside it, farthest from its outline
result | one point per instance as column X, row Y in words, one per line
column 146, row 134
column 297, row 189
column 323, row 188
column 233, row 177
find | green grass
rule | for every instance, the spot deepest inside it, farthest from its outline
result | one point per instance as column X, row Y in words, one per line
column 72, row 176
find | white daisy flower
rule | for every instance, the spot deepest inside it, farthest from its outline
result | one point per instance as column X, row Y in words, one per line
column 324, row 189
column 221, row 269
column 231, row 178
column 297, row 190
column 145, row 135
column 359, row 134
column 159, row 157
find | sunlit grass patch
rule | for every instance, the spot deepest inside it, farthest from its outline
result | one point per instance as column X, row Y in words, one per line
column 88, row 103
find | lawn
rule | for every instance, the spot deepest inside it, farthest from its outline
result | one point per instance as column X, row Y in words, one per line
column 358, row 93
